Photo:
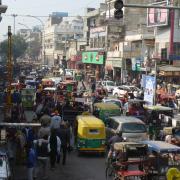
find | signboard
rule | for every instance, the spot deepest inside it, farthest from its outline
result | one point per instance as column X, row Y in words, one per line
column 149, row 91
column 93, row 57
column 60, row 14
column 98, row 32
column 143, row 81
column 157, row 17
column 137, row 64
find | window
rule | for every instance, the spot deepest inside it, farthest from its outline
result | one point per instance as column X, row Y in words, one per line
column 93, row 131
column 133, row 128
column 164, row 53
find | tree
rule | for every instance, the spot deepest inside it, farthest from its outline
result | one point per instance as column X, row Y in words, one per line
column 19, row 47
column 34, row 48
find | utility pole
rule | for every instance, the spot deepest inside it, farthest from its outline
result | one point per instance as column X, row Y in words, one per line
column 14, row 16
column 42, row 38
column 9, row 74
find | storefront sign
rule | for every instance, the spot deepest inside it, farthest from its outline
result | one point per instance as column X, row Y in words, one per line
column 76, row 58
column 157, row 17
column 149, row 91
column 117, row 63
column 93, row 57
column 98, row 32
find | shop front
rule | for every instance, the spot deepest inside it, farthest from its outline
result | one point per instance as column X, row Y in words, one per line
column 75, row 61
column 93, row 64
column 113, row 68
column 114, row 65
column 170, row 74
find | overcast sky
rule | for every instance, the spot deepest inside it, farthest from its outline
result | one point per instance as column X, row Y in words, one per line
column 40, row 8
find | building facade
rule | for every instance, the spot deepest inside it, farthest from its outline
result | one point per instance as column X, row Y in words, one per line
column 58, row 35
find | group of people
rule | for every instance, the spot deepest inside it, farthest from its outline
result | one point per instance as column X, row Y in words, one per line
column 41, row 147
column 52, row 138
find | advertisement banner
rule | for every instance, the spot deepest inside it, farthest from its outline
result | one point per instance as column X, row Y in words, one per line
column 157, row 17
column 149, row 90
column 93, row 57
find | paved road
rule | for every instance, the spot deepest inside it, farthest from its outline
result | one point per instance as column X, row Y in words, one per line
column 86, row 167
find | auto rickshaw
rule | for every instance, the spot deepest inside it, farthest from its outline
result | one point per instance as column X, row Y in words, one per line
column 28, row 97
column 158, row 117
column 90, row 134
column 104, row 110
column 127, row 161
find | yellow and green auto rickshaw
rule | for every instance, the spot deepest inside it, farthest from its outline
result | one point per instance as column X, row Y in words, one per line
column 105, row 110
column 28, row 97
column 90, row 134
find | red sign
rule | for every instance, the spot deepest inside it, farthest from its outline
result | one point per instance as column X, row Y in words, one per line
column 157, row 17
column 76, row 58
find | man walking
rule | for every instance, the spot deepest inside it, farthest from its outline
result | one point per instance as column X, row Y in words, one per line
column 55, row 120
column 64, row 134
column 42, row 154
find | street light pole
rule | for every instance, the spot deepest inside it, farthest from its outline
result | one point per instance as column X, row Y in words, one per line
column 43, row 53
column 29, row 34
column 14, row 16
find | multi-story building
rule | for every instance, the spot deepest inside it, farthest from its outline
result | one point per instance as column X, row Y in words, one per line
column 58, row 35
column 103, row 34
column 167, row 41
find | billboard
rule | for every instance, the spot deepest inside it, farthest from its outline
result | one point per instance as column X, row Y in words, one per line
column 60, row 14
column 98, row 32
column 157, row 17
column 93, row 57
column 149, row 91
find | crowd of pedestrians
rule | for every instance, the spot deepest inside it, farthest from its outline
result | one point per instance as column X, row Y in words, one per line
column 45, row 148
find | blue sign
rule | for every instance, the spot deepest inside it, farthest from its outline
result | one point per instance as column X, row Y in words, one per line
column 174, row 57
column 150, row 89
column 143, row 81
column 60, row 14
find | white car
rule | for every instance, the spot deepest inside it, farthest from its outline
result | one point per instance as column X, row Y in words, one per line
column 120, row 91
column 109, row 85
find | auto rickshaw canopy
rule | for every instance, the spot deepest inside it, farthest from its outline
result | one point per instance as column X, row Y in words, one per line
column 90, row 127
column 158, row 108
column 106, row 106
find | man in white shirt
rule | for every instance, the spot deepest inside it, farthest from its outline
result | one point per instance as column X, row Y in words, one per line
column 55, row 120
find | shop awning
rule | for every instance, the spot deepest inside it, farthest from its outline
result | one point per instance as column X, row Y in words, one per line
column 169, row 70
column 114, row 62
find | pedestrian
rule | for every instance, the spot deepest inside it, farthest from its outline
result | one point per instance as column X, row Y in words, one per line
column 44, row 131
column 31, row 160
column 55, row 120
column 54, row 147
column 93, row 86
column 29, row 134
column 64, row 134
column 45, row 119
column 39, row 109
column 43, row 155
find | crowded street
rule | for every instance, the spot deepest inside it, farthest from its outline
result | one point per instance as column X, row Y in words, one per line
column 91, row 93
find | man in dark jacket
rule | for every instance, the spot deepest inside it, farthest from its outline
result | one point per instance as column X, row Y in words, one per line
column 64, row 134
